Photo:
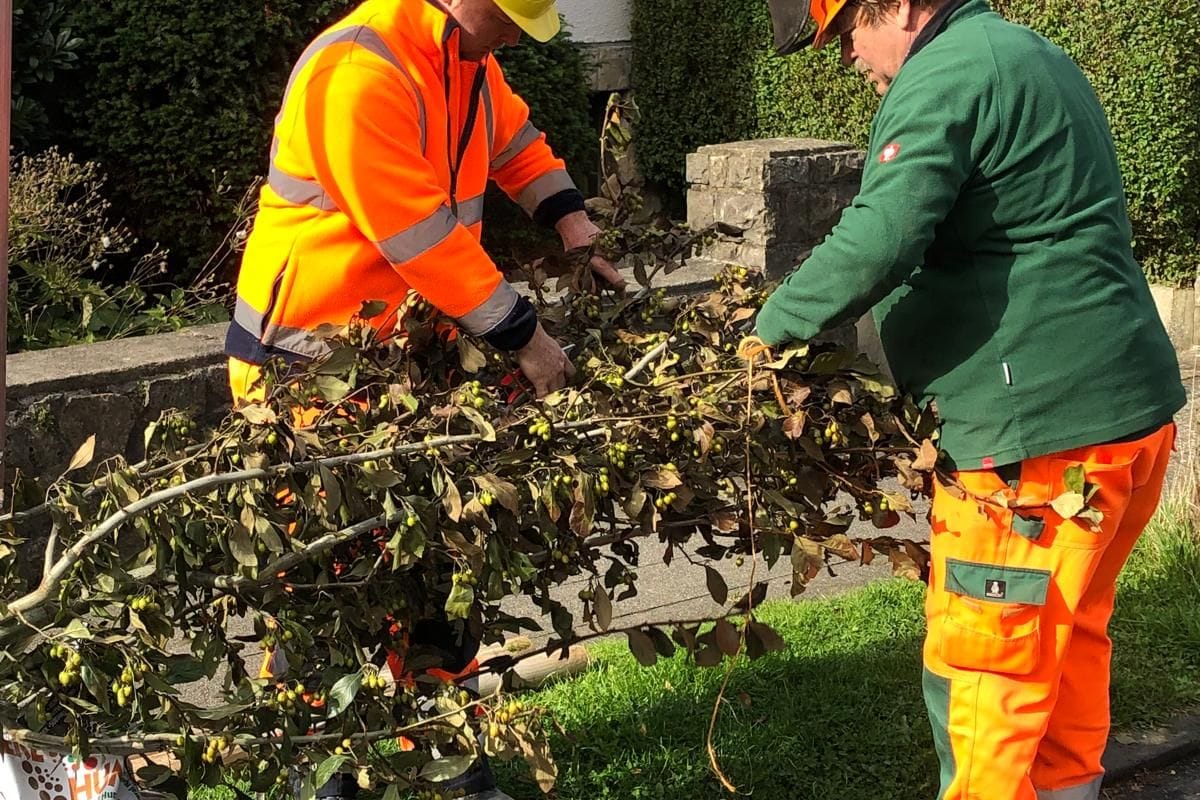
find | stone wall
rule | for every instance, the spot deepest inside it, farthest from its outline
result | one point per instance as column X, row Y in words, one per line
column 784, row 195
column 58, row 398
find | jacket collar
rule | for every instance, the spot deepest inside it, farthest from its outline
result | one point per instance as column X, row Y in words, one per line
column 947, row 16
column 423, row 23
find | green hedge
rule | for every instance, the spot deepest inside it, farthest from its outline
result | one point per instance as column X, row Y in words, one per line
column 175, row 100
column 705, row 73
column 552, row 78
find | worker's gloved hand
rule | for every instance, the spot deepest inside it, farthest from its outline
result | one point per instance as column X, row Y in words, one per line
column 544, row 363
column 577, row 232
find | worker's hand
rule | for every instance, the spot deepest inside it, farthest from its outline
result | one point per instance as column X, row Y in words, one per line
column 577, row 232
column 544, row 363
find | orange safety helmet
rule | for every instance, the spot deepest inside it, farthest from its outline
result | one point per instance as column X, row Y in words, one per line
column 794, row 30
column 823, row 12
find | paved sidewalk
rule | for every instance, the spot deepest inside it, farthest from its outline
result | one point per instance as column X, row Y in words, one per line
column 1178, row 782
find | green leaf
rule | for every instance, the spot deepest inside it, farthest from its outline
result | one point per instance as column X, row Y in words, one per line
column 1073, row 478
column 460, row 600
column 338, row 362
column 258, row 415
column 219, row 713
column 334, row 390
column 329, row 767
column 184, row 669
column 154, row 774
column 446, row 769
column 77, row 629
column 392, row 792
column 372, row 308
column 342, row 695
column 242, row 547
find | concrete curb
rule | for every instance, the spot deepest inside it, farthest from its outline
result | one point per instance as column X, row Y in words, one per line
column 1129, row 754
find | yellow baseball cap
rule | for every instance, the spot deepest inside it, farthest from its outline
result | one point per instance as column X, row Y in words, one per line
column 538, row 18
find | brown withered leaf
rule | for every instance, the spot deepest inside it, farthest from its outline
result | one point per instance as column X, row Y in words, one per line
column 793, row 426
column 724, row 521
column 661, row 479
column 903, row 566
column 798, row 395
column 839, row 393
column 927, row 456
column 840, row 545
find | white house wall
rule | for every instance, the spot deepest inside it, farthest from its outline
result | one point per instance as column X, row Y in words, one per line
column 598, row 21
column 602, row 28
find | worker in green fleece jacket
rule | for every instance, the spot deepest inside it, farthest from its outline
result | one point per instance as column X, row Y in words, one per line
column 992, row 240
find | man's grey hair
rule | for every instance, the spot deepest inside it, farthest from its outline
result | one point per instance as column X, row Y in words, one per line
column 874, row 10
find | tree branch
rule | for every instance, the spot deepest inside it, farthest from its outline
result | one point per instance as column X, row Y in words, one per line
column 53, row 577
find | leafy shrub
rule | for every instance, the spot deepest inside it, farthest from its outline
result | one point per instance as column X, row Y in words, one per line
column 61, row 247
column 705, row 73
column 176, row 101
column 43, row 47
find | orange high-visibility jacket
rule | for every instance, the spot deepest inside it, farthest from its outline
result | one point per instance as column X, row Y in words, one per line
column 383, row 148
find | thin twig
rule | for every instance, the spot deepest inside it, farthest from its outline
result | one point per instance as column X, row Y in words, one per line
column 645, row 360
column 713, row 761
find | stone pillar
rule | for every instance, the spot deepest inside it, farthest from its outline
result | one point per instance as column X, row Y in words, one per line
column 784, row 195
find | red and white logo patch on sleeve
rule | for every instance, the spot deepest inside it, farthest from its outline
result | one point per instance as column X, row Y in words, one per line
column 890, row 152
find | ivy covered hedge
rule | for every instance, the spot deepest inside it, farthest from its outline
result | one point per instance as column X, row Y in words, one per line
column 175, row 101
column 705, row 73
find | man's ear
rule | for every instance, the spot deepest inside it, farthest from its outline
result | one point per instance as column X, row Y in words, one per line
column 906, row 16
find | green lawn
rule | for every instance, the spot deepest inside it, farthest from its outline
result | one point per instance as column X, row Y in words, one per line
column 839, row 714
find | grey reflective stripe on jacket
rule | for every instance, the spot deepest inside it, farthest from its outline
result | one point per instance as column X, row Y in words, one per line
column 1084, row 791
column 419, row 238
column 520, row 140
column 470, row 211
column 305, row 191
column 544, row 188
column 294, row 340
column 491, row 312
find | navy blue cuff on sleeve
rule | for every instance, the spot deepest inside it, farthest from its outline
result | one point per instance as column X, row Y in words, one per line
column 557, row 206
column 515, row 330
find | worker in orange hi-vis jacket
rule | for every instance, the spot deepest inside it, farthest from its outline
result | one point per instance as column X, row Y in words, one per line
column 391, row 125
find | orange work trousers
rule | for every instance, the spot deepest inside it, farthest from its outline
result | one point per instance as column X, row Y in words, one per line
column 1017, row 653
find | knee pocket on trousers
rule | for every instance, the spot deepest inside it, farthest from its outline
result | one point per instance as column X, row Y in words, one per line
column 992, row 618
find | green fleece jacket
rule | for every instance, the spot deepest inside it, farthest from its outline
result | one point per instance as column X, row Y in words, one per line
column 992, row 239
